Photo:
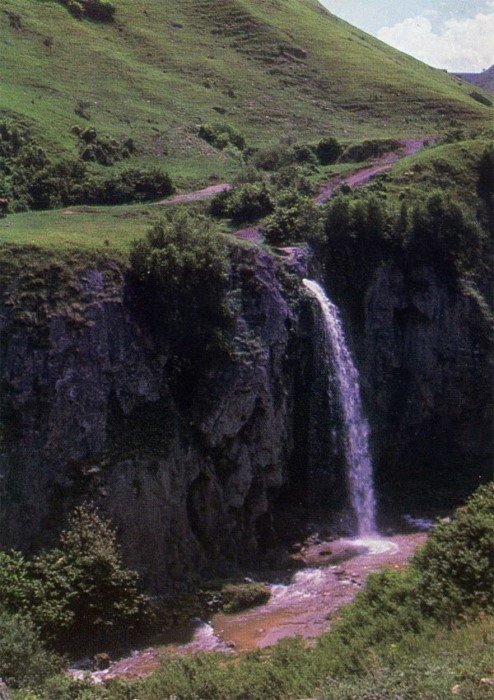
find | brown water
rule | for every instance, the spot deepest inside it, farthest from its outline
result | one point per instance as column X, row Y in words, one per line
column 303, row 604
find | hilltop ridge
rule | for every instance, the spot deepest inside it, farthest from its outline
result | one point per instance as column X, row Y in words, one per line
column 484, row 80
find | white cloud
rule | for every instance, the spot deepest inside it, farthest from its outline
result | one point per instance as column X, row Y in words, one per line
column 460, row 45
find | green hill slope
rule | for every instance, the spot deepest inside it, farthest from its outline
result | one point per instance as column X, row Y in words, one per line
column 268, row 67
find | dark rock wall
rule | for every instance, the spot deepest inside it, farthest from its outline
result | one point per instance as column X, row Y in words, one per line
column 90, row 413
column 426, row 359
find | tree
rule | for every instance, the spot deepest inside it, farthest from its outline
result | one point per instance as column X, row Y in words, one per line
column 78, row 592
column 181, row 269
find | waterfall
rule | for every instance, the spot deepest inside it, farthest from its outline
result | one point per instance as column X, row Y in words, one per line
column 356, row 427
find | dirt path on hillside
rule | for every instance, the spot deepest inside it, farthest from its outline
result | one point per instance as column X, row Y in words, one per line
column 356, row 178
column 302, row 602
column 362, row 176
column 197, row 195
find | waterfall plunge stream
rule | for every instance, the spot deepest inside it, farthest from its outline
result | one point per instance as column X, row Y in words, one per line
column 356, row 427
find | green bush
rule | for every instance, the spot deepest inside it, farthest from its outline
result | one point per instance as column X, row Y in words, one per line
column 24, row 659
column 456, row 565
column 328, row 150
column 243, row 203
column 296, row 218
column 304, row 154
column 479, row 97
column 182, row 269
column 241, row 596
column 25, row 588
column 443, row 234
column 369, row 149
column 30, row 180
column 357, row 239
column 131, row 185
column 221, row 136
column 485, row 176
column 272, row 158
column 78, row 593
column 98, row 10
column 292, row 177
column 101, row 595
column 104, row 151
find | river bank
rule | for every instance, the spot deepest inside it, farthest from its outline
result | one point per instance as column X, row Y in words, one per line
column 303, row 603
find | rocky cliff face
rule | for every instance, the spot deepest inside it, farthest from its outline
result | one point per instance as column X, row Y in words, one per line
column 89, row 411
column 426, row 357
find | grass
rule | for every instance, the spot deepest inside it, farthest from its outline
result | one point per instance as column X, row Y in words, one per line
column 100, row 228
column 451, row 167
column 166, row 66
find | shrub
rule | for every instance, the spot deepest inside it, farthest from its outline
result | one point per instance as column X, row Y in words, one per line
column 221, row 136
column 25, row 589
column 101, row 595
column 98, row 10
column 328, row 150
column 182, row 270
column 24, row 659
column 272, row 158
column 104, row 151
column 243, row 203
column 443, row 235
column 304, row 154
column 30, row 180
column 79, row 592
column 369, row 149
column 456, row 565
column 479, row 97
column 296, row 218
column 357, row 239
column 485, row 176
column 292, row 177
column 130, row 185
column 241, row 596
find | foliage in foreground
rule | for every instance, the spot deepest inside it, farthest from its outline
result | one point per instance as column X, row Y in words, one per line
column 24, row 658
column 77, row 594
column 395, row 640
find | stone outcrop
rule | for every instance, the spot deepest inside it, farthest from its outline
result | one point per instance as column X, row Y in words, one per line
column 89, row 412
column 91, row 409
column 426, row 358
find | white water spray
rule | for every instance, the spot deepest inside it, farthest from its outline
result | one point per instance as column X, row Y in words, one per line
column 356, row 427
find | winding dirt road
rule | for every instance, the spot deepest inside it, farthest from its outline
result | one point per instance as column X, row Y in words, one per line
column 197, row 195
column 356, row 178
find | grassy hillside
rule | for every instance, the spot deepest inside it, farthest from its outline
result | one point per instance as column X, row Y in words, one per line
column 165, row 66
column 451, row 167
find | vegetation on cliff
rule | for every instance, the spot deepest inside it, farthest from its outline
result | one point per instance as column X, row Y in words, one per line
column 73, row 596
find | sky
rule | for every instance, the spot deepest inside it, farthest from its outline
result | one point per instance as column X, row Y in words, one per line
column 454, row 34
